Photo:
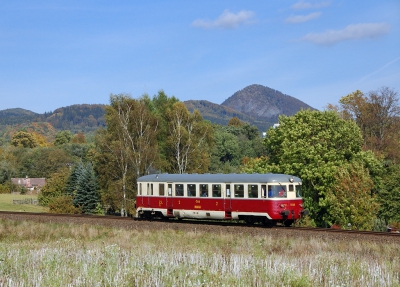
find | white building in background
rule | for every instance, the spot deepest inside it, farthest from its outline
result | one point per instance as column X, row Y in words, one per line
column 264, row 134
column 30, row 183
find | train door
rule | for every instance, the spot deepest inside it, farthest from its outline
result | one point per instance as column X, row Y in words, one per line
column 228, row 201
column 264, row 191
column 149, row 192
column 168, row 200
column 141, row 200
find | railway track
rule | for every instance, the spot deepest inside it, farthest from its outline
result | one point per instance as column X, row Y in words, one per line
column 190, row 225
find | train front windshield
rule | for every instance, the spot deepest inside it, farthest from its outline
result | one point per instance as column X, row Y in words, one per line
column 298, row 190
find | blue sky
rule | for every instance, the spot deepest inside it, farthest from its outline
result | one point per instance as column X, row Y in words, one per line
column 59, row 53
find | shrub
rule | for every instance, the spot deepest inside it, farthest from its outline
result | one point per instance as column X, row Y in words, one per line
column 379, row 224
column 63, row 204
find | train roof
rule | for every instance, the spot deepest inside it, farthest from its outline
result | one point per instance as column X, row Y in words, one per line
column 219, row 178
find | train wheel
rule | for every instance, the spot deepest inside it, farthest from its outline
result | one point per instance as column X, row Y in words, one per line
column 288, row 223
column 249, row 220
column 269, row 223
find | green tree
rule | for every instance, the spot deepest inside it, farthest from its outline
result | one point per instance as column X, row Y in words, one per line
column 128, row 147
column 189, row 139
column 54, row 187
column 352, row 202
column 318, row 147
column 45, row 161
column 24, row 139
column 62, row 137
column 233, row 145
column 159, row 105
column 63, row 204
column 8, row 164
column 87, row 197
column 389, row 195
column 71, row 185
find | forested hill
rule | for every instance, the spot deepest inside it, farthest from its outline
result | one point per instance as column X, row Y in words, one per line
column 76, row 118
column 221, row 114
column 255, row 104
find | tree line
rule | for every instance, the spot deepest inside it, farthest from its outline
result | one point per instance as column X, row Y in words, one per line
column 347, row 156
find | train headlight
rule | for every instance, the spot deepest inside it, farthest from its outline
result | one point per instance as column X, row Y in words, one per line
column 291, row 179
column 282, row 205
column 301, row 205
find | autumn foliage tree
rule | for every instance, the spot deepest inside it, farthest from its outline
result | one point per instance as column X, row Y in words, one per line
column 377, row 114
column 24, row 139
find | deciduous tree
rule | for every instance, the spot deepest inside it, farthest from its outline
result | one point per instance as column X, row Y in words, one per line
column 23, row 139
column 54, row 187
column 189, row 140
column 62, row 137
column 129, row 143
column 389, row 195
column 319, row 147
column 377, row 113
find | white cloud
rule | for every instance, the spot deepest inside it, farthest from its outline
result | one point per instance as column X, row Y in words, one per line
column 351, row 32
column 301, row 5
column 227, row 20
column 302, row 18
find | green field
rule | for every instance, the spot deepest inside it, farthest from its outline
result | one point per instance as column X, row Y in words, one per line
column 6, row 203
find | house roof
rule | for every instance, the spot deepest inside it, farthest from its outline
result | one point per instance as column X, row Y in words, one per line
column 29, row 182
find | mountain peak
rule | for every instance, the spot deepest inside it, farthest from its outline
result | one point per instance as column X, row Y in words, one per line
column 264, row 103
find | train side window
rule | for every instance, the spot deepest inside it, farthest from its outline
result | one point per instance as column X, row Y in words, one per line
column 239, row 190
column 291, row 187
column 161, row 189
column 216, row 190
column 204, row 190
column 151, row 189
column 228, row 190
column 140, row 189
column 191, row 189
column 253, row 190
column 179, row 189
column 169, row 189
column 148, row 189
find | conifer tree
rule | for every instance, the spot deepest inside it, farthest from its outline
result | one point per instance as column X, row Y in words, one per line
column 72, row 181
column 87, row 196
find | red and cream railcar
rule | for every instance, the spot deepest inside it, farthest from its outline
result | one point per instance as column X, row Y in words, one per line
column 265, row 198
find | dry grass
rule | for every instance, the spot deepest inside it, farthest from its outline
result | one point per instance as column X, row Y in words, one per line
column 36, row 254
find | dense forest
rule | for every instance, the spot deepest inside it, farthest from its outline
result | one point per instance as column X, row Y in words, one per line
column 347, row 156
column 75, row 118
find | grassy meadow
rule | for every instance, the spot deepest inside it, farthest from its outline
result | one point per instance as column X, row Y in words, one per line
column 6, row 203
column 40, row 254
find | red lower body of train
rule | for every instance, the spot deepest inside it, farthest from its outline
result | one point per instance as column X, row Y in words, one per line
column 268, row 211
